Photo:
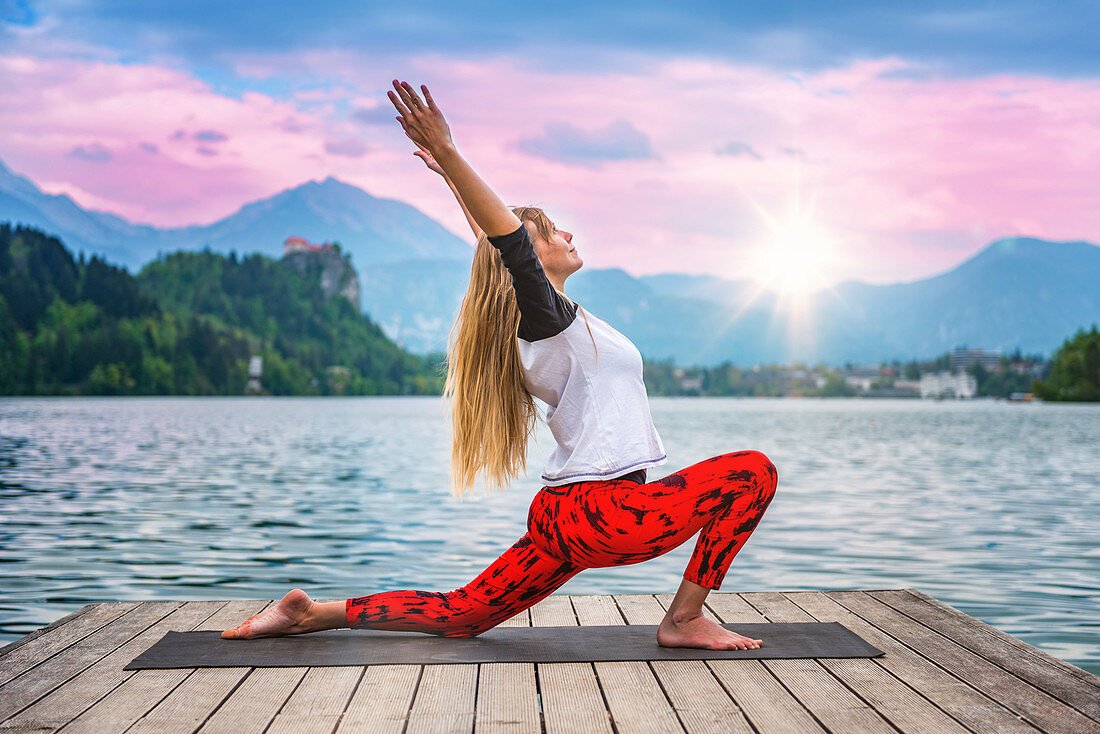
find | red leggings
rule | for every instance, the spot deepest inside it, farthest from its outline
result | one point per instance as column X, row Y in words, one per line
column 570, row 528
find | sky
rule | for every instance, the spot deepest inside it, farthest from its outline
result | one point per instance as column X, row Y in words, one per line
column 872, row 141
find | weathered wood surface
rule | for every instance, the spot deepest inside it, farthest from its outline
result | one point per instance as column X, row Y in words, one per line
column 943, row 671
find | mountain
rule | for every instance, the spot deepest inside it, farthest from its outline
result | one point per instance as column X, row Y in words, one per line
column 373, row 230
column 22, row 202
column 1017, row 292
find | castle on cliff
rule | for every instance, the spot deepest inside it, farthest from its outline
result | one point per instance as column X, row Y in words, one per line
column 336, row 272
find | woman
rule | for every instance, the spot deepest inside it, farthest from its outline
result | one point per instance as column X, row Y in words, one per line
column 518, row 337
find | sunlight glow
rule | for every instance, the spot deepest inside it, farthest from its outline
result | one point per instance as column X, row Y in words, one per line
column 798, row 258
column 794, row 266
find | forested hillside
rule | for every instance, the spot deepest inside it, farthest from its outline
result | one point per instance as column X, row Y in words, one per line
column 186, row 325
column 1075, row 372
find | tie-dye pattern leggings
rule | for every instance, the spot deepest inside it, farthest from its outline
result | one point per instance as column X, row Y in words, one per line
column 593, row 525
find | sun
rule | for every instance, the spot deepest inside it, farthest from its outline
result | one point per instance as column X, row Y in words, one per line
column 797, row 257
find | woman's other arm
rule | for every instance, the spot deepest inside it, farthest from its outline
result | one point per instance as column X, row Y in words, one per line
column 426, row 126
column 425, row 155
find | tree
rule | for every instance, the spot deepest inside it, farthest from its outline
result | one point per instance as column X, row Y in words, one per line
column 1075, row 370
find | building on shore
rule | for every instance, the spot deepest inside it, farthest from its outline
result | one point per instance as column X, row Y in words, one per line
column 948, row 385
column 964, row 359
column 861, row 379
column 255, row 371
column 899, row 389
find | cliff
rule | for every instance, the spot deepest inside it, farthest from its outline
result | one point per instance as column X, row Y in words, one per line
column 327, row 264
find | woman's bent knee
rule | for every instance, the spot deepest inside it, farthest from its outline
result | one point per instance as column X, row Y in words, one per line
column 769, row 475
column 763, row 471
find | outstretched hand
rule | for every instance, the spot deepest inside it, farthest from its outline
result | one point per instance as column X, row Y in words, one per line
column 421, row 119
column 429, row 160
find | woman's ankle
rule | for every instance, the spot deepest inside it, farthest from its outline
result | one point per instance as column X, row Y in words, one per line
column 327, row 615
column 682, row 616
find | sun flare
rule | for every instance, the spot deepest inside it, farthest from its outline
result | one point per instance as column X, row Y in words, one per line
column 797, row 258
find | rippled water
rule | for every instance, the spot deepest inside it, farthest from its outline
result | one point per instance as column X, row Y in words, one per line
column 991, row 507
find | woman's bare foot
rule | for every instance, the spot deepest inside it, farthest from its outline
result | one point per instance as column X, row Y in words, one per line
column 698, row 631
column 291, row 616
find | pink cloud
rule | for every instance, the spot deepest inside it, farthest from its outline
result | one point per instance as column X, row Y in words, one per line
column 907, row 176
column 82, row 113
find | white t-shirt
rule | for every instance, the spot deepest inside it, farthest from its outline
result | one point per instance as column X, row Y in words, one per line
column 596, row 403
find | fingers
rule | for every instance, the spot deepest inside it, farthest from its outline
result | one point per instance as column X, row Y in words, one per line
column 402, row 93
column 408, row 95
column 413, row 97
column 422, row 122
column 401, row 108
column 428, row 98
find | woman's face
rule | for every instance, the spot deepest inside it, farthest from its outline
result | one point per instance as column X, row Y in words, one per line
column 558, row 256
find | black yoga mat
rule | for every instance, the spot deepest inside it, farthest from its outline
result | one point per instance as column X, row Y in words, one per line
column 498, row 645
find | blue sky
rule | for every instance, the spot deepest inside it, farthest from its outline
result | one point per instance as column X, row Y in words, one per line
column 952, row 38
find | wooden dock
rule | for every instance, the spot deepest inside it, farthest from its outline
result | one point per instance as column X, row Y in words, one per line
column 943, row 672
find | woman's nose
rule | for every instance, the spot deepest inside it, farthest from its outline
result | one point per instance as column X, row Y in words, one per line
column 568, row 236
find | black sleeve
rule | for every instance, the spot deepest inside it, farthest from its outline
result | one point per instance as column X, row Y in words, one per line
column 543, row 311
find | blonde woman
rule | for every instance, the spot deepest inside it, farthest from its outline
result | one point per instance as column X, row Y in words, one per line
column 517, row 338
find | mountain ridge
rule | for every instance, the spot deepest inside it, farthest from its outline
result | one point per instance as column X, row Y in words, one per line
column 1016, row 292
column 373, row 229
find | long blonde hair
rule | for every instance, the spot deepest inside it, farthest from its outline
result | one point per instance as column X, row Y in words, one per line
column 492, row 413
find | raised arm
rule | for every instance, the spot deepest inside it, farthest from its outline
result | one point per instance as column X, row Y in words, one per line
column 426, row 126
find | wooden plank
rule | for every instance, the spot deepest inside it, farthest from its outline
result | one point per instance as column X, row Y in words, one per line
column 8, row 647
column 700, row 701
column 571, row 698
column 956, row 698
column 507, row 699
column 188, row 705
column 507, row 693
column 83, row 691
column 596, row 610
column 523, row 619
column 37, row 647
column 633, row 693
column 34, row 648
column 751, row 684
column 831, row 699
column 1082, row 694
column 317, row 704
column 1035, row 705
column 142, row 690
column 117, row 710
column 380, row 704
column 30, row 686
column 553, row 611
column 445, row 700
column 250, row 708
column 999, row 634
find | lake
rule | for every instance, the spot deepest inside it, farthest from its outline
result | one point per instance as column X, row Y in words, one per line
column 992, row 507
